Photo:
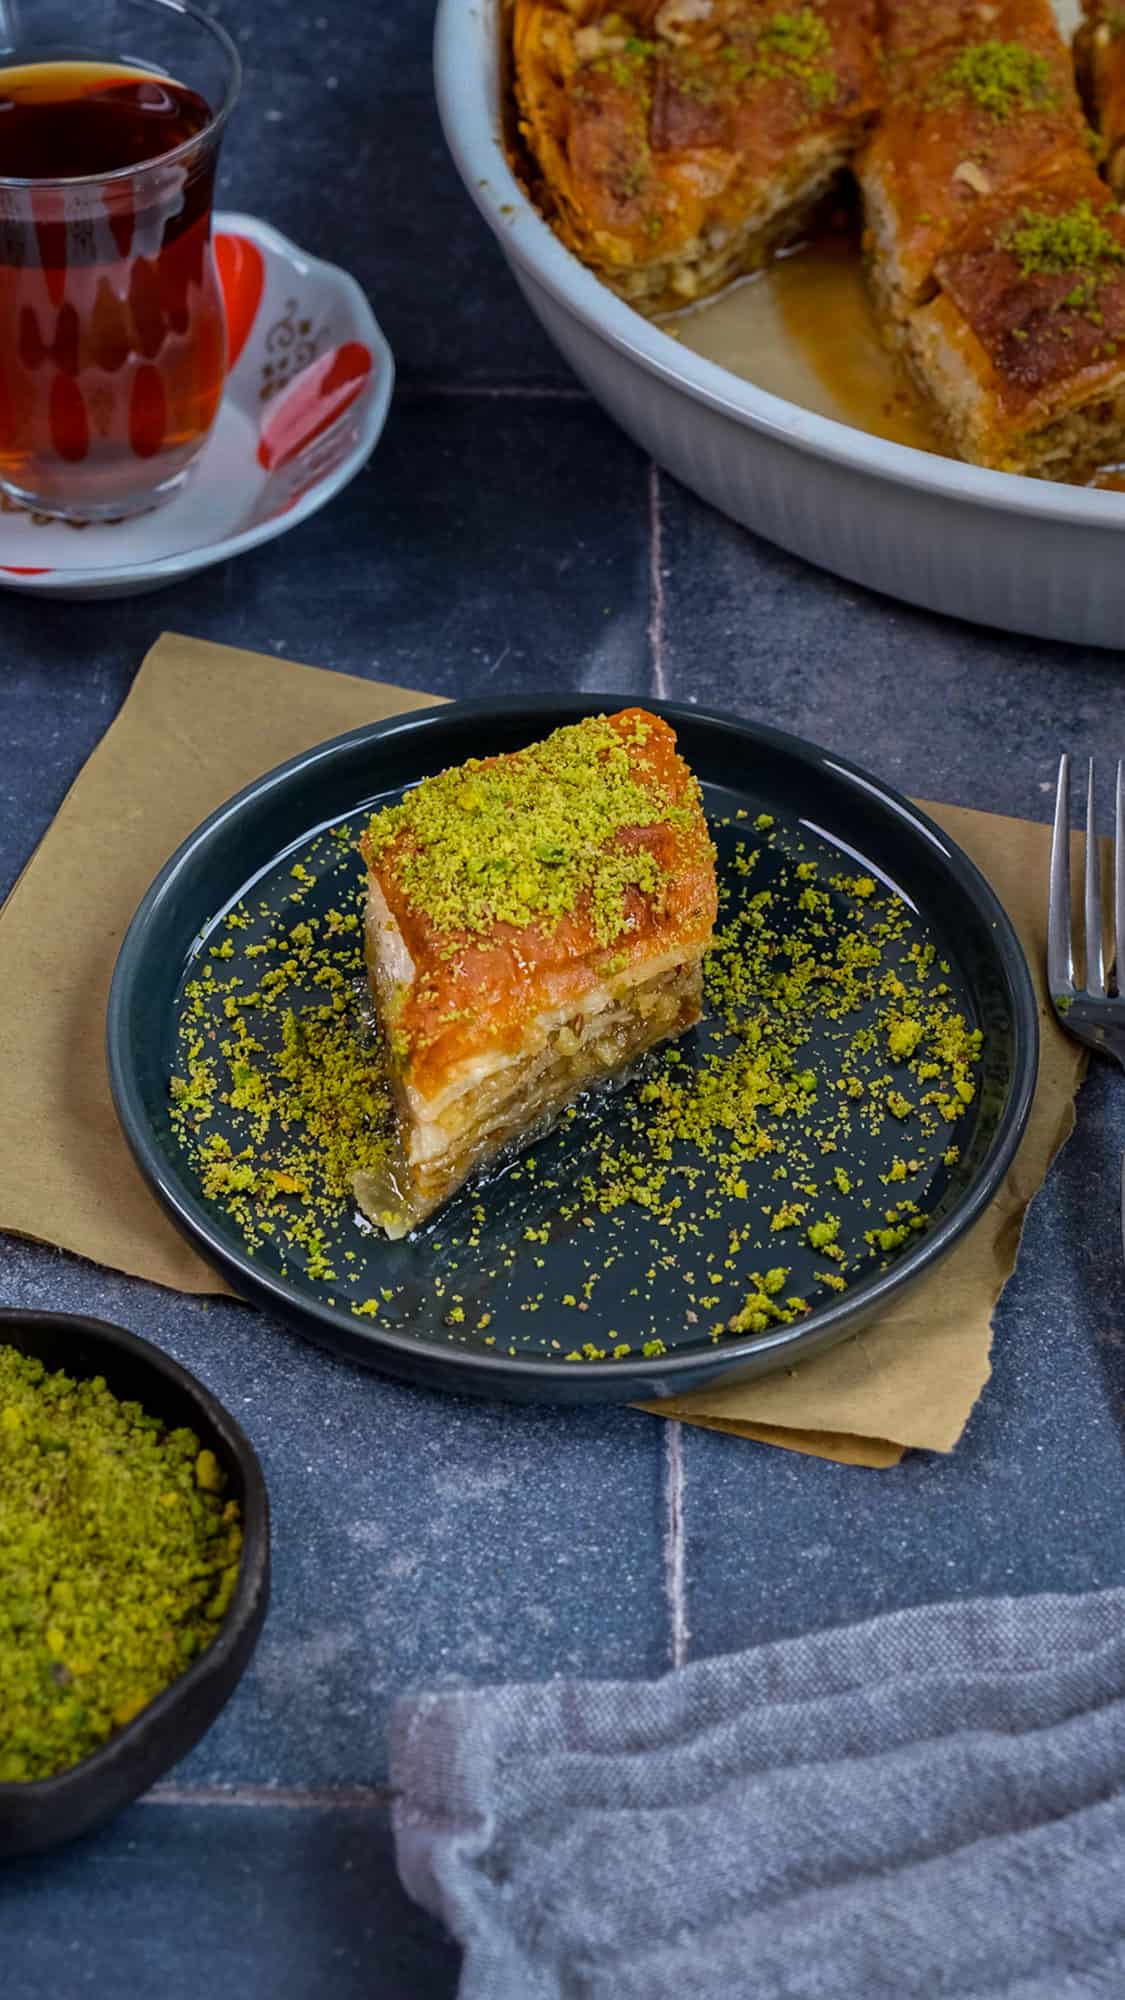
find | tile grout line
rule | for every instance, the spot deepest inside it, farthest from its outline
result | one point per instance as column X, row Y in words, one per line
column 528, row 392
column 656, row 582
column 674, row 1579
column 268, row 1795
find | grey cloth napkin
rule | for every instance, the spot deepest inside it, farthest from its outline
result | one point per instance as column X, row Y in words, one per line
column 932, row 1803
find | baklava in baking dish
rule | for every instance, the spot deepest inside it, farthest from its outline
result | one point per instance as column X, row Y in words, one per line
column 674, row 144
column 1023, row 348
column 535, row 921
column 677, row 142
column 969, row 115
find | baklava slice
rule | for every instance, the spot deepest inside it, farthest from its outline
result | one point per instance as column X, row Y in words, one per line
column 964, row 122
column 1099, row 48
column 1022, row 352
column 677, row 142
column 535, row 921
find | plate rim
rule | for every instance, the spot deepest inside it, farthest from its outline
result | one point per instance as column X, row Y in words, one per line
column 472, row 1369
column 467, row 84
column 187, row 562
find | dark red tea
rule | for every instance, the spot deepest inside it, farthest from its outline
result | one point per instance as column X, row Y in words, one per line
column 112, row 344
column 59, row 120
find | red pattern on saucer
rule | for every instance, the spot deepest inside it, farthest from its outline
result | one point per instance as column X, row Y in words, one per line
column 242, row 275
column 309, row 379
column 312, row 403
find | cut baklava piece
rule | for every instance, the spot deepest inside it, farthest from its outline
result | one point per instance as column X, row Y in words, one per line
column 535, row 921
column 969, row 121
column 1099, row 48
column 678, row 143
column 1023, row 350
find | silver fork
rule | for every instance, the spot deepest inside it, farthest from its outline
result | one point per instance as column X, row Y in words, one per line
column 1093, row 1010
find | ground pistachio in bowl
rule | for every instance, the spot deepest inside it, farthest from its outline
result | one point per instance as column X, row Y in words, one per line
column 119, row 1555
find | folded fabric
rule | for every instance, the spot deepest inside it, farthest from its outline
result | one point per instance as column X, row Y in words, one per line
column 932, row 1803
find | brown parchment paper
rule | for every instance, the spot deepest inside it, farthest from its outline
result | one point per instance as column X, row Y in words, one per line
column 202, row 721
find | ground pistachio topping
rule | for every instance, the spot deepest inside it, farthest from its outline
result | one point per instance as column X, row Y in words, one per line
column 118, row 1558
column 748, row 1172
column 795, row 42
column 282, row 1091
column 999, row 77
column 531, row 839
column 1077, row 240
column 793, row 46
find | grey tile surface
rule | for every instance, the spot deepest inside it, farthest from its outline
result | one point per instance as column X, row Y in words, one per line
column 493, row 543
column 502, row 539
column 370, row 185
column 293, row 1903
column 943, row 710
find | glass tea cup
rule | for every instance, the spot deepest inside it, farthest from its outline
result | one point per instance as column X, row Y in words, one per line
column 112, row 336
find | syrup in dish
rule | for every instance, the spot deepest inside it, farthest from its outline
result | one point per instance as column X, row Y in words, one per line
column 805, row 329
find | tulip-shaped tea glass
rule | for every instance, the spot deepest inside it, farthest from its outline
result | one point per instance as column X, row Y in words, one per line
column 112, row 340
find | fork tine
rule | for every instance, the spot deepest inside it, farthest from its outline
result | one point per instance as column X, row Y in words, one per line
column 1060, row 959
column 1119, row 879
column 1095, row 961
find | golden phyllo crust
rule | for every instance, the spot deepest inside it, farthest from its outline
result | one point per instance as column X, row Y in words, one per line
column 966, row 120
column 677, row 142
column 918, row 27
column 535, row 921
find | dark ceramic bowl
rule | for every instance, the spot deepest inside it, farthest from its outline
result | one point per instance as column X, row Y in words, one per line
column 48, row 1811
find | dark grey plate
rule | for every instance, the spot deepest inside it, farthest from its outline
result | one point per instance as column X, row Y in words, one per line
column 49, row 1811
column 436, row 1288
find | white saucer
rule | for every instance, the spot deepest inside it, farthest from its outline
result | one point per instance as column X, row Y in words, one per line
column 306, row 397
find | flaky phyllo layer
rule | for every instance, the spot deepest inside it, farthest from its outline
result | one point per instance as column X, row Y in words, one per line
column 534, row 922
